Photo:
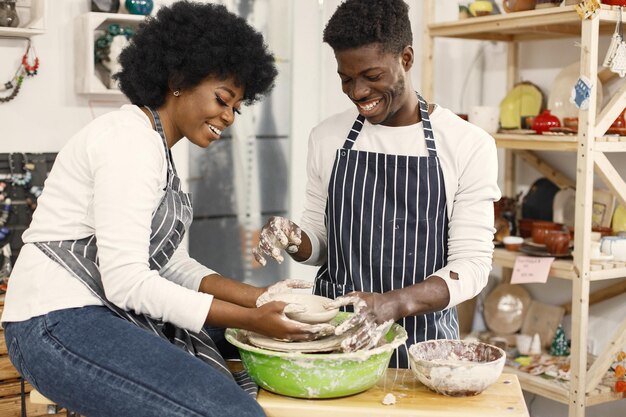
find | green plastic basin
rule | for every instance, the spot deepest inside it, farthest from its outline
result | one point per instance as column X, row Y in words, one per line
column 316, row 375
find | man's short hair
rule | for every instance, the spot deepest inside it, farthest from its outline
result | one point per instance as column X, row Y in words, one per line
column 357, row 23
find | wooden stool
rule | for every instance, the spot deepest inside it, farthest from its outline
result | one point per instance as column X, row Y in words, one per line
column 53, row 408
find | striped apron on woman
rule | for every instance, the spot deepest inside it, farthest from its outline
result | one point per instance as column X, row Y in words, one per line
column 387, row 228
column 169, row 221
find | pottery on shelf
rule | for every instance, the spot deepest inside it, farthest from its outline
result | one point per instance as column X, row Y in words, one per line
column 8, row 14
column 518, row 5
column 545, row 121
column 140, row 7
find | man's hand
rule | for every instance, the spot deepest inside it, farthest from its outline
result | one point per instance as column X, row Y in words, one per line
column 365, row 332
column 278, row 234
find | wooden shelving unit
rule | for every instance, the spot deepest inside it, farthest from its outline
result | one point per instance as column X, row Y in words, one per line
column 589, row 146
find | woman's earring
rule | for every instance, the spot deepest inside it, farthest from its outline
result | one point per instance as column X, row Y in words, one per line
column 176, row 93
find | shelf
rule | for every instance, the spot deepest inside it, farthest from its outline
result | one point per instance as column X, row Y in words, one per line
column 536, row 142
column 565, row 268
column 558, row 391
column 556, row 143
column 86, row 26
column 32, row 20
column 560, row 268
column 550, row 23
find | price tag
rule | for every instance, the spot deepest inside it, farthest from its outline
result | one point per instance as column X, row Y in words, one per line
column 531, row 269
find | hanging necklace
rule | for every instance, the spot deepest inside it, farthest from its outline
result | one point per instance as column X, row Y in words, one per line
column 31, row 70
column 20, row 179
column 25, row 68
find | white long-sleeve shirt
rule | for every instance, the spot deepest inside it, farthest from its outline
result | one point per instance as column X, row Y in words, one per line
column 107, row 180
column 469, row 163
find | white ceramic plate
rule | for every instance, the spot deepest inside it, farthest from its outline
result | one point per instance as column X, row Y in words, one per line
column 558, row 98
column 564, row 207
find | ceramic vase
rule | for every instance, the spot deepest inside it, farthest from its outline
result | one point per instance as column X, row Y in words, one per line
column 105, row 6
column 8, row 14
column 141, row 7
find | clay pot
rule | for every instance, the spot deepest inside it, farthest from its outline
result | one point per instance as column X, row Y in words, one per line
column 557, row 242
column 541, row 229
column 545, row 121
column 542, row 4
column 525, row 227
column 518, row 5
column 571, row 123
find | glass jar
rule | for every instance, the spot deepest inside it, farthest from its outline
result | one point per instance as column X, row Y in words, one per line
column 8, row 14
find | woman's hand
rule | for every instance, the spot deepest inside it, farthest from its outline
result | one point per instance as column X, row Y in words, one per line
column 277, row 235
column 270, row 320
column 282, row 287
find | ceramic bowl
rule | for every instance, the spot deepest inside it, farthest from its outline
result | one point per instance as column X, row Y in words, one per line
column 455, row 367
column 317, row 375
column 315, row 311
column 541, row 229
column 513, row 243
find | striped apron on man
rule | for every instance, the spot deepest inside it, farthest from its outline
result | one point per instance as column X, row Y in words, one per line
column 387, row 228
column 168, row 225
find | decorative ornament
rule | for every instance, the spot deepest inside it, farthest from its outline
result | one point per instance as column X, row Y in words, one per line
column 559, row 346
column 102, row 47
column 619, row 368
column 142, row 7
column 24, row 69
column 22, row 180
column 616, row 40
column 6, row 210
column 588, row 9
column 31, row 70
column 618, row 63
column 581, row 93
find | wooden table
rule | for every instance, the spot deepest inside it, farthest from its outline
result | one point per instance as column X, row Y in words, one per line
column 413, row 399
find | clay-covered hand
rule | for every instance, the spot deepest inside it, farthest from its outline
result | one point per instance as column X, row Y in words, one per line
column 277, row 235
column 363, row 326
column 282, row 287
column 272, row 321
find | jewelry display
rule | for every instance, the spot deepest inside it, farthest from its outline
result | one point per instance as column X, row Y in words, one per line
column 24, row 69
column 21, row 179
column 6, row 210
column 102, row 47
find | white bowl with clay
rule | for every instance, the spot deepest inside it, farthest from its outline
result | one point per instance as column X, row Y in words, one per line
column 455, row 367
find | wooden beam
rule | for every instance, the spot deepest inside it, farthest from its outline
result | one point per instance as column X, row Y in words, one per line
column 602, row 363
column 427, row 51
column 611, row 177
column 545, row 169
column 601, row 295
column 582, row 239
column 611, row 111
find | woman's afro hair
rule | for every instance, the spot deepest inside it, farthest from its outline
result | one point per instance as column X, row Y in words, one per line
column 186, row 43
column 357, row 23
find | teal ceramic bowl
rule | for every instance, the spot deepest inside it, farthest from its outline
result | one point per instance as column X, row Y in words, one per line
column 316, row 375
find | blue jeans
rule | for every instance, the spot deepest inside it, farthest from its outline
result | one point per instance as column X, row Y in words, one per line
column 94, row 363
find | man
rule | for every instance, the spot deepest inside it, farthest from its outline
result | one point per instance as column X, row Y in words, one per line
column 399, row 200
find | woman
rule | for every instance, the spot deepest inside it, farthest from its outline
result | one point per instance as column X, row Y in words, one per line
column 104, row 311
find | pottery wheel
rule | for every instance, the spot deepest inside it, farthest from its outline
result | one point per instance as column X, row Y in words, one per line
column 325, row 344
